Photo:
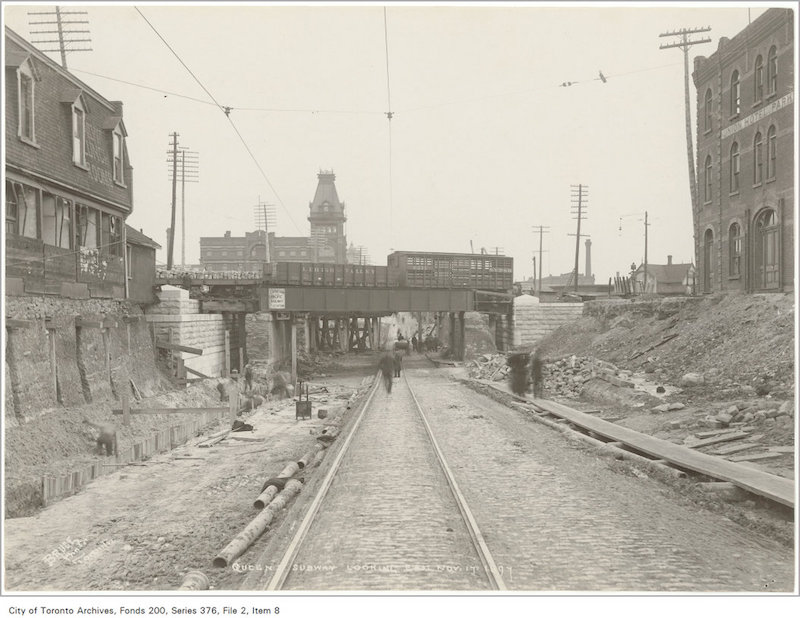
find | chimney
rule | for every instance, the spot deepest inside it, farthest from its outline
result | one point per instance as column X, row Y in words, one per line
column 669, row 260
column 588, row 272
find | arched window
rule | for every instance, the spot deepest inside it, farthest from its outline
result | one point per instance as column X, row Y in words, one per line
column 758, row 79
column 708, row 252
column 736, row 94
column 735, row 167
column 767, row 250
column 772, row 151
column 735, row 249
column 772, row 70
column 708, row 110
column 758, row 160
column 707, row 194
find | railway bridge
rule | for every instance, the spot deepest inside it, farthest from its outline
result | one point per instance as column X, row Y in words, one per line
column 335, row 313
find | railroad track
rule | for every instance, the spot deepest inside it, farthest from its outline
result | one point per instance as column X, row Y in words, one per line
column 393, row 517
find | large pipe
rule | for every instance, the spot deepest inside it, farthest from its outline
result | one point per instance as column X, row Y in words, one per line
column 194, row 580
column 266, row 497
column 256, row 528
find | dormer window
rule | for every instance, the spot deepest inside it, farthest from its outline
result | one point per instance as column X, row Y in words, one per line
column 78, row 133
column 119, row 141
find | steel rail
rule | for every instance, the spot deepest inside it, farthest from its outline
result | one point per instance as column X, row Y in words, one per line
column 489, row 565
column 283, row 568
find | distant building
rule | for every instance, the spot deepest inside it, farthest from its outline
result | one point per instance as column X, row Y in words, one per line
column 666, row 279
column 68, row 180
column 745, row 158
column 228, row 252
column 327, row 242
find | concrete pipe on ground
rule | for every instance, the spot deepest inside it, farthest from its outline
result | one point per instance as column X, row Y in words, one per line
column 256, row 528
column 266, row 497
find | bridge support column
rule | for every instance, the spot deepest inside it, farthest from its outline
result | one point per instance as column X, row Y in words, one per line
column 451, row 333
column 294, row 351
column 307, row 334
column 344, row 334
column 461, row 338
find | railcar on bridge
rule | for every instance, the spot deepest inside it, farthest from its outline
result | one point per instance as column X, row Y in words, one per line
column 477, row 271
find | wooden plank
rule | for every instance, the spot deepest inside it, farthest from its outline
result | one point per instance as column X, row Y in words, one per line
column 81, row 323
column 756, row 456
column 126, row 409
column 247, row 439
column 196, row 373
column 782, row 449
column 179, row 348
column 15, row 323
column 756, row 481
column 118, row 411
column 723, row 438
column 715, row 432
column 735, row 448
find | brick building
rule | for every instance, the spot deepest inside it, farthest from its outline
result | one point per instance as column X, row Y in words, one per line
column 68, row 181
column 745, row 158
column 326, row 244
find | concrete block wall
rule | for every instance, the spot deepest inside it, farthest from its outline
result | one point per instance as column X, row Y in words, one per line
column 91, row 364
column 534, row 320
column 177, row 312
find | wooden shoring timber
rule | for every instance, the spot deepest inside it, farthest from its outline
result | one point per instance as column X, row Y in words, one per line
column 215, row 410
column 175, row 347
column 16, row 323
column 256, row 527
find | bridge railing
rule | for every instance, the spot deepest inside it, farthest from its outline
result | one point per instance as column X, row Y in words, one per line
column 208, row 274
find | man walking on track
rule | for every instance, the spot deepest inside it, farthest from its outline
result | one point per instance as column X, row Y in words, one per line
column 386, row 365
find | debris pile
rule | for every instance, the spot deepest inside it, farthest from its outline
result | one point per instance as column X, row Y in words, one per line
column 562, row 378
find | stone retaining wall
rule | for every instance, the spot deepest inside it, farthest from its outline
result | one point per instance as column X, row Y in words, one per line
column 178, row 313
column 534, row 320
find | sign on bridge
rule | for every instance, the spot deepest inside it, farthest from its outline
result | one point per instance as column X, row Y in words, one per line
column 277, row 298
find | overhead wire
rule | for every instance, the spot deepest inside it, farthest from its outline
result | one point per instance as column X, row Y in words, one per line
column 389, row 115
column 226, row 111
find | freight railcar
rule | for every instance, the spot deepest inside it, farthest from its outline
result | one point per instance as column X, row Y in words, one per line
column 451, row 270
column 325, row 275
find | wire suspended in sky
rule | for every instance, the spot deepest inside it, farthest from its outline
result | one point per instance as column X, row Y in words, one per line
column 226, row 111
column 389, row 115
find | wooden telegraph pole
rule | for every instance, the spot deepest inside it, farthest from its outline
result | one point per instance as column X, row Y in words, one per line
column 580, row 194
column 685, row 43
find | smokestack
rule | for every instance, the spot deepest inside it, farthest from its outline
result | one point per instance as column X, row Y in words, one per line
column 669, row 260
column 588, row 258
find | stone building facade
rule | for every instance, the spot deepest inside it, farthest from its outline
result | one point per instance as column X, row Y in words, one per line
column 745, row 158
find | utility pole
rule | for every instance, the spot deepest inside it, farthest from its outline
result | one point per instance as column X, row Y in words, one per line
column 645, row 250
column 188, row 171
column 265, row 219
column 580, row 194
column 63, row 41
column 543, row 229
column 685, row 43
column 171, row 243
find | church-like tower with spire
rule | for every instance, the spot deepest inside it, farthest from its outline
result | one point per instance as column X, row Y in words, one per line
column 327, row 219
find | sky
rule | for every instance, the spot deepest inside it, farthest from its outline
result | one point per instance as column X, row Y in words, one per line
column 484, row 144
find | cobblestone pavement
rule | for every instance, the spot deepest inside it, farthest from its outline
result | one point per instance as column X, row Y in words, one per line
column 557, row 518
column 389, row 521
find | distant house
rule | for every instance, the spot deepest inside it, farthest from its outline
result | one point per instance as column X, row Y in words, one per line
column 68, row 181
column 666, row 279
column 141, row 265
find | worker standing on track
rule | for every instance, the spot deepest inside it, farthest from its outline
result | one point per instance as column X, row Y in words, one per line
column 386, row 365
